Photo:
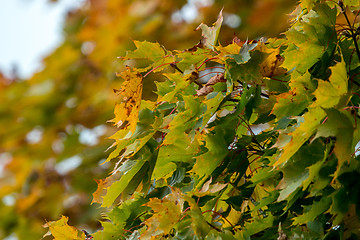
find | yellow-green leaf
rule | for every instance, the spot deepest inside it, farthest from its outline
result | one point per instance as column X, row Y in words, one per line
column 60, row 230
column 329, row 93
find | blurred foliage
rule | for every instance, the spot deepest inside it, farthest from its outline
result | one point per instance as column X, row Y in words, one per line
column 53, row 134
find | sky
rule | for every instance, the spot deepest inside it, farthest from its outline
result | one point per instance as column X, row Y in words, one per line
column 30, row 30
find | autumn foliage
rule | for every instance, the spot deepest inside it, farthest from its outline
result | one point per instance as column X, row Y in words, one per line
column 241, row 139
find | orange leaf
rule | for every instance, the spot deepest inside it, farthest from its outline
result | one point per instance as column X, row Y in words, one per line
column 127, row 110
column 101, row 190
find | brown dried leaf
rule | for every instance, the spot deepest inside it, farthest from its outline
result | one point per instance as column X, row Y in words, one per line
column 205, row 90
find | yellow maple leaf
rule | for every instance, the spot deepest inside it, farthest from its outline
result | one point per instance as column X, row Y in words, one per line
column 167, row 213
column 127, row 109
column 270, row 67
column 60, row 230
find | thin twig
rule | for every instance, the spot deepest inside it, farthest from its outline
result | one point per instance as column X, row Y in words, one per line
column 206, row 60
column 219, row 214
column 157, row 68
column 353, row 35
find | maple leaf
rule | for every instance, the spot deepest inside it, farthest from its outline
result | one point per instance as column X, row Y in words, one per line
column 301, row 134
column 103, row 185
column 149, row 50
column 310, row 39
column 62, row 231
column 167, row 213
column 330, row 93
column 127, row 109
column 210, row 34
column 244, row 54
column 271, row 65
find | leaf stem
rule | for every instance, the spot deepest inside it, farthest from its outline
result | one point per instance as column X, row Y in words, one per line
column 210, row 73
column 172, row 63
column 219, row 214
column 206, row 60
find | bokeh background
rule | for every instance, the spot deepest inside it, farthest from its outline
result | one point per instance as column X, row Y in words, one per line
column 58, row 61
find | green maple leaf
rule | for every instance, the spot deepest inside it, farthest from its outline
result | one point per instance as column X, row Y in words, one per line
column 340, row 125
column 354, row 3
column 176, row 141
column 130, row 178
column 290, row 104
column 301, row 134
column 154, row 52
column 148, row 50
column 217, row 143
column 259, row 224
column 121, row 217
column 310, row 38
column 189, row 59
column 244, row 55
column 248, row 72
column 330, row 93
column 314, row 210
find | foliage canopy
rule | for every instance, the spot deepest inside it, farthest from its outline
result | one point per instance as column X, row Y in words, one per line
column 255, row 139
column 53, row 133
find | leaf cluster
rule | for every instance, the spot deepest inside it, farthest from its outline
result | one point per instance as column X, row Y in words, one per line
column 252, row 140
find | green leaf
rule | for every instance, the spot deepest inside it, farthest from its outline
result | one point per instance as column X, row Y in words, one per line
column 212, row 105
column 217, row 143
column 290, row 104
column 149, row 50
column 329, row 93
column 301, row 134
column 180, row 83
column 351, row 3
column 339, row 124
column 199, row 224
column 215, row 235
column 177, row 176
column 258, row 225
column 272, row 197
column 344, row 138
column 244, row 55
column 129, row 177
column 310, row 38
column 291, row 183
column 118, row 187
column 296, row 173
column 248, row 72
column 175, row 142
column 164, row 87
column 301, row 83
column 314, row 211
column 191, row 59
